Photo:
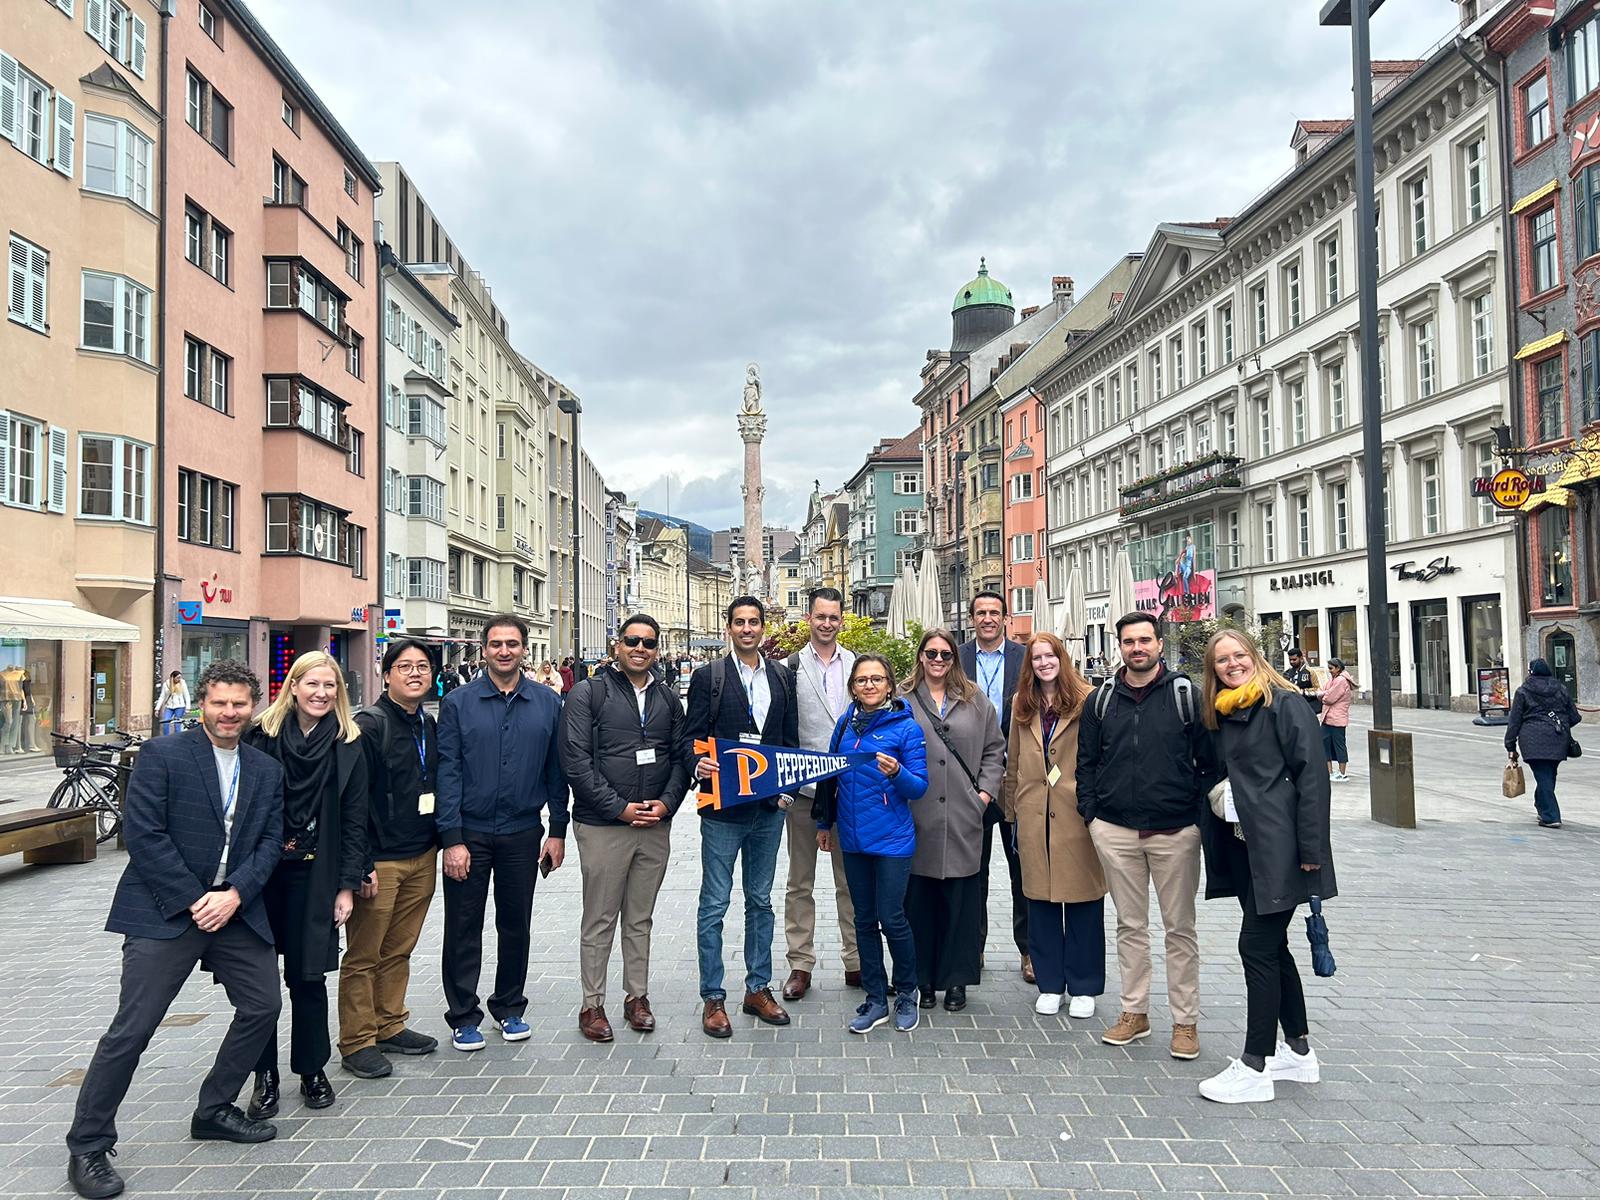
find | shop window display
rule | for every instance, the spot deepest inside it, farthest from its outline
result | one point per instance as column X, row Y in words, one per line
column 28, row 673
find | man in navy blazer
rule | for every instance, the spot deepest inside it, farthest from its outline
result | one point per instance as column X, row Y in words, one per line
column 748, row 698
column 203, row 819
column 994, row 662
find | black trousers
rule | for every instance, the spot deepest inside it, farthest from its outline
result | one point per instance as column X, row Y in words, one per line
column 947, row 924
column 1273, row 994
column 510, row 864
column 1019, row 902
column 1068, row 946
column 287, row 894
column 153, row 969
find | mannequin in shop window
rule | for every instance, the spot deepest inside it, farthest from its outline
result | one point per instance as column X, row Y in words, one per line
column 12, row 718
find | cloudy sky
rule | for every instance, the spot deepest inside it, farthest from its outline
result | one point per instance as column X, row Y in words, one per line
column 660, row 192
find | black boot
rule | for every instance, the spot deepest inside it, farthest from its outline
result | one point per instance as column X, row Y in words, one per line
column 928, row 998
column 316, row 1090
column 264, row 1098
column 92, row 1175
column 955, row 999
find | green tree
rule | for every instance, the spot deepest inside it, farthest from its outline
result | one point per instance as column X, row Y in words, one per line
column 857, row 634
column 1191, row 638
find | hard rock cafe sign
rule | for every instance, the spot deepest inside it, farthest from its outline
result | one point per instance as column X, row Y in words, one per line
column 1509, row 488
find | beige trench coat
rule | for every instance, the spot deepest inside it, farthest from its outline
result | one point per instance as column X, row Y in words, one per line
column 1059, row 863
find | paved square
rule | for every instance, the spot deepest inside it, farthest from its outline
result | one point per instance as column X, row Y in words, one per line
column 1455, row 1041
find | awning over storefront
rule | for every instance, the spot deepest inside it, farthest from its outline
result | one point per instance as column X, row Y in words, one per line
column 59, row 621
column 1584, row 465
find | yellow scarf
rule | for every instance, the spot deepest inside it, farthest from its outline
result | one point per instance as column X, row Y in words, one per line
column 1230, row 700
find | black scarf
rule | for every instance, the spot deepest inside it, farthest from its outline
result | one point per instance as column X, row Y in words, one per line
column 309, row 767
column 863, row 718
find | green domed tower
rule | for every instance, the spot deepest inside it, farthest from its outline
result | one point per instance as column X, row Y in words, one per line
column 982, row 311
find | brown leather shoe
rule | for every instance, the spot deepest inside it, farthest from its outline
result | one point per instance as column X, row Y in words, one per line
column 715, row 1020
column 797, row 987
column 636, row 1010
column 1027, row 970
column 761, row 1004
column 1185, row 1041
column 593, row 1025
column 852, row 979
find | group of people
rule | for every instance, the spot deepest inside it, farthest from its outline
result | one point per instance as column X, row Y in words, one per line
column 253, row 841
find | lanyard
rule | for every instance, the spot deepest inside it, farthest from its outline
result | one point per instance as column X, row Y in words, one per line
column 749, row 691
column 233, row 792
column 987, row 678
column 1048, row 728
column 944, row 703
column 422, row 751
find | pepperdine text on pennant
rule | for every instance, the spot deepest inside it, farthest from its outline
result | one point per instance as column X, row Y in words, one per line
column 747, row 772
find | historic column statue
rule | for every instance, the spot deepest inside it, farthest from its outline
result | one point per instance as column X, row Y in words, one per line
column 752, row 389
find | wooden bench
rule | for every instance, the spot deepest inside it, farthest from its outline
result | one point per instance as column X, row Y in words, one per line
column 49, row 835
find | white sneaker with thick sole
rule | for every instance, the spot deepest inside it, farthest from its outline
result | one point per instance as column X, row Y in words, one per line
column 1297, row 1068
column 1081, row 1007
column 1237, row 1084
column 1048, row 1004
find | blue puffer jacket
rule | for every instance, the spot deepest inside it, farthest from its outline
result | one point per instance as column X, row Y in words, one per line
column 872, row 811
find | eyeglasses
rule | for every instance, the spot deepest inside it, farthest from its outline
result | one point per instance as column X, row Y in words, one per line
column 633, row 639
column 938, row 655
column 871, row 680
column 412, row 669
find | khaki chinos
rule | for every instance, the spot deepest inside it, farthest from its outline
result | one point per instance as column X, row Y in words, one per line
column 799, row 899
column 1131, row 864
column 379, row 938
column 623, row 869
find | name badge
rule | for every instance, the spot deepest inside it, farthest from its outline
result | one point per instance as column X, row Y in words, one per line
column 1054, row 776
column 751, row 739
column 644, row 757
column 425, row 803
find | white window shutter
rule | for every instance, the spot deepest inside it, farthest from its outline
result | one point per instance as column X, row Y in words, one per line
column 5, row 458
column 38, row 285
column 10, row 115
column 66, row 134
column 94, row 17
column 65, row 6
column 136, row 56
column 58, row 469
column 17, row 281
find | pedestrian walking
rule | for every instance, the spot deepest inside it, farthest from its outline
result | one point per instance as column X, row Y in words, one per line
column 820, row 669
column 1145, row 764
column 1061, row 873
column 965, row 765
column 1540, row 726
column 1335, row 697
column 1302, row 678
column 203, row 820
column 402, row 746
column 173, row 703
column 744, row 697
column 994, row 662
column 499, row 771
column 1271, row 850
column 310, row 730
column 868, row 811
column 623, row 752
column 567, row 676
column 547, row 676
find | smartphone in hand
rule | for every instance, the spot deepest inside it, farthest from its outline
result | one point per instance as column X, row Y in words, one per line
column 545, row 866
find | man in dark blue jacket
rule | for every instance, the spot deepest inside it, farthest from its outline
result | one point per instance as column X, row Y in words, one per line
column 203, row 818
column 747, row 698
column 499, row 768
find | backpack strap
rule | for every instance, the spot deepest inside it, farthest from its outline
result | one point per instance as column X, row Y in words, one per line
column 1183, row 697
column 1102, row 700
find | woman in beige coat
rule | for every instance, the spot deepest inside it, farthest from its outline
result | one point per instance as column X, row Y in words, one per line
column 1061, row 874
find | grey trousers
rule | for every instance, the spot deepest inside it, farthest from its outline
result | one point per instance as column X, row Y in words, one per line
column 623, row 869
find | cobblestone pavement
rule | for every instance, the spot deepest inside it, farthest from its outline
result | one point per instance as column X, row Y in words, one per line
column 1455, row 1044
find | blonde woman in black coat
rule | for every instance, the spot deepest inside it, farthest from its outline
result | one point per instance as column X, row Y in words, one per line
column 1269, row 847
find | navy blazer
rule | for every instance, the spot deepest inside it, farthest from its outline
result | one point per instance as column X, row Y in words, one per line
column 1008, row 685
column 172, row 821
column 782, row 727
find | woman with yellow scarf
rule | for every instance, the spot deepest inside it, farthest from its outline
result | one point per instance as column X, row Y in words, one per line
column 1269, row 847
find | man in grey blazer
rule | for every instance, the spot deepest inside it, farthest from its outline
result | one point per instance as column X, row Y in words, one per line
column 203, row 817
column 821, row 679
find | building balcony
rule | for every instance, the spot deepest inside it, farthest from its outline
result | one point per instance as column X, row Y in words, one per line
column 1186, row 483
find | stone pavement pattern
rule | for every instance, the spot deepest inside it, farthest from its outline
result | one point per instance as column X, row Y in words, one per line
column 1456, row 1042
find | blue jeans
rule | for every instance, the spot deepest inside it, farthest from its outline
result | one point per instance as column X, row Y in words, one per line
column 172, row 720
column 878, row 891
column 1544, row 789
column 755, row 839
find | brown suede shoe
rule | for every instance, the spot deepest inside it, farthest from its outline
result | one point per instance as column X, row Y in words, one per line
column 1027, row 970
column 1185, row 1041
column 761, row 1004
column 852, row 979
column 1130, row 1027
column 715, row 1021
column 593, row 1025
column 636, row 1011
column 797, row 987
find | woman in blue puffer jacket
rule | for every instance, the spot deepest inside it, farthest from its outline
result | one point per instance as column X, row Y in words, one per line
column 868, row 810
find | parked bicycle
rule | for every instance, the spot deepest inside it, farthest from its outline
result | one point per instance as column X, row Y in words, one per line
column 96, row 775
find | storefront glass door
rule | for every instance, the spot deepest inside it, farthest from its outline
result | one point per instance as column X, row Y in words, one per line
column 1430, row 626
column 1564, row 661
column 105, row 687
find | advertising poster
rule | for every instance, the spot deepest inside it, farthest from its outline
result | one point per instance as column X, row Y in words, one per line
column 1178, row 596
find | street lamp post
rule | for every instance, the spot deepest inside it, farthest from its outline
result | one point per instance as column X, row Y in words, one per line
column 1388, row 750
column 961, row 559
column 571, row 406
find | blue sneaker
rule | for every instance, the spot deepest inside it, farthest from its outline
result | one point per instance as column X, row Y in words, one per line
column 467, row 1038
column 906, row 1016
column 514, row 1029
column 869, row 1016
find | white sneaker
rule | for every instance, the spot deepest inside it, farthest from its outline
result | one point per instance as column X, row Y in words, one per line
column 1298, row 1068
column 1081, row 1007
column 1237, row 1084
column 1339, row 777
column 1048, row 1004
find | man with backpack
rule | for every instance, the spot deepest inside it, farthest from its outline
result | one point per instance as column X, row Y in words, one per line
column 1145, row 766
column 623, row 752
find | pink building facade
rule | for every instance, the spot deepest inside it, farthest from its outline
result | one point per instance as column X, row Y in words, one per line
column 1023, row 453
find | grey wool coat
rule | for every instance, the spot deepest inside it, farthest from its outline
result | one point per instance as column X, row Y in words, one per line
column 949, row 817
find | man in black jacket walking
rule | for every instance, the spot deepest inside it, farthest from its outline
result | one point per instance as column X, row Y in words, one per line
column 623, row 753
column 1145, row 764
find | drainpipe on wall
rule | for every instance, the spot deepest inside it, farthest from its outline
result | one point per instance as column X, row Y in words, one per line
column 163, row 602
column 379, row 625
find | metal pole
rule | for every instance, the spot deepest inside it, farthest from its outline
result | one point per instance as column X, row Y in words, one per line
column 577, row 539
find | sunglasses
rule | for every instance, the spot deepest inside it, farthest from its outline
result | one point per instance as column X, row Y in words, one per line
column 634, row 639
column 938, row 655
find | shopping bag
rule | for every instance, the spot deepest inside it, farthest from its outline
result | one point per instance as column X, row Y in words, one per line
column 1512, row 784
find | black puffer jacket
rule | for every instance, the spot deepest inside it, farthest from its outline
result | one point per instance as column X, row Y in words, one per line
column 601, row 737
column 1542, row 716
column 1140, row 768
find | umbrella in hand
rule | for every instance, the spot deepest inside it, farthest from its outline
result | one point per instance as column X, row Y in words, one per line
column 1317, row 934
